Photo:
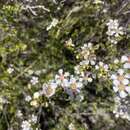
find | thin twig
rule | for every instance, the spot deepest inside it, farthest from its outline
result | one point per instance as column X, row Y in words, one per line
column 32, row 8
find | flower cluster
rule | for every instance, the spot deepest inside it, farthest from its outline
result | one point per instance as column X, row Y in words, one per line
column 69, row 83
column 114, row 30
column 121, row 87
column 87, row 54
column 26, row 125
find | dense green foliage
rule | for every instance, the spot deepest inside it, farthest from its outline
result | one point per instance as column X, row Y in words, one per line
column 32, row 47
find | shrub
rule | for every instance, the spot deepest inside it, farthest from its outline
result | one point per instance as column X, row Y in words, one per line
column 64, row 65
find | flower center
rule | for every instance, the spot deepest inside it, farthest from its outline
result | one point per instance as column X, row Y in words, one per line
column 49, row 90
column 74, row 86
column 120, row 78
column 121, row 87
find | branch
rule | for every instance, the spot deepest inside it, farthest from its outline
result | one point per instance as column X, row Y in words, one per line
column 32, row 8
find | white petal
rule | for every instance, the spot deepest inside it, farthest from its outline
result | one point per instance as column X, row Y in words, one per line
column 116, row 61
column 113, row 76
column 106, row 67
column 121, row 71
column 123, row 94
column 124, row 59
column 65, row 83
column 116, row 82
column 60, row 71
column 101, row 63
column 66, row 74
column 96, row 67
column 58, row 82
column 127, row 66
column 92, row 62
column 125, row 81
column 80, row 85
column 90, row 45
column 128, row 89
column 54, row 85
column 115, row 88
column 57, row 76
column 90, row 79
column 72, row 80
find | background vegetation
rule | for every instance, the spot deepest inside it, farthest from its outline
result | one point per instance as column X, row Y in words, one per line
column 32, row 46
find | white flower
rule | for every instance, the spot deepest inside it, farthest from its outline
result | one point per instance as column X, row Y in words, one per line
column 10, row 70
column 101, row 64
column 114, row 31
column 106, row 67
column 49, row 89
column 34, row 80
column 120, row 71
column 19, row 114
column 86, row 51
column 73, row 85
column 124, row 58
column 26, row 125
column 69, row 43
column 116, row 61
column 112, row 24
column 127, row 66
column 33, row 119
column 96, row 67
column 28, row 98
column 34, row 103
column 90, row 79
column 119, row 31
column 92, row 62
column 71, row 126
column 121, row 82
column 36, row 95
column 123, row 94
column 127, row 62
column 61, row 77
column 90, row 45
